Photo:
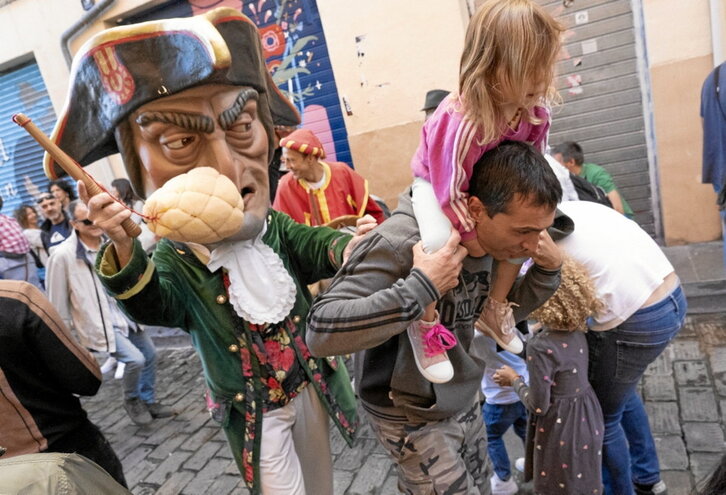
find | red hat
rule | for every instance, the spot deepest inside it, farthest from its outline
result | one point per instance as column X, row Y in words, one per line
column 305, row 142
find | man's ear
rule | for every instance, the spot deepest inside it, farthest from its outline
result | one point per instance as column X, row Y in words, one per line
column 476, row 208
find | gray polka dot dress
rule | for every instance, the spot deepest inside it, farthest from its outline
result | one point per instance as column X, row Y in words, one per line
column 564, row 437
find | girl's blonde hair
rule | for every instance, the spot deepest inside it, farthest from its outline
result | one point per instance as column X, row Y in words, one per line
column 574, row 301
column 510, row 47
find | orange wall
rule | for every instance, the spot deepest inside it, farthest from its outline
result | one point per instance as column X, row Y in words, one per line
column 383, row 157
column 680, row 56
column 689, row 211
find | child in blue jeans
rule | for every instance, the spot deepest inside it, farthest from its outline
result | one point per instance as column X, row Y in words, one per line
column 502, row 409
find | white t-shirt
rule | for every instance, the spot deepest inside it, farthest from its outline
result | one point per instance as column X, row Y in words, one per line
column 563, row 176
column 625, row 263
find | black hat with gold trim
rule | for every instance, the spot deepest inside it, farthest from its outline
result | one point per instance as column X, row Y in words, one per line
column 122, row 68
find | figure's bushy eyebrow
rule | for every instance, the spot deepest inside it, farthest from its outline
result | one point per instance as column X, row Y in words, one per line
column 229, row 116
column 190, row 121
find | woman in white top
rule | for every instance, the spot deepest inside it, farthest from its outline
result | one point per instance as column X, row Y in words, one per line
column 644, row 310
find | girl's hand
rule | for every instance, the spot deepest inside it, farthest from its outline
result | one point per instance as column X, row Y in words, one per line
column 504, row 376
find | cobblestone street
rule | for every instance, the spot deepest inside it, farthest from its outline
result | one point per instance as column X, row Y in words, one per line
column 684, row 390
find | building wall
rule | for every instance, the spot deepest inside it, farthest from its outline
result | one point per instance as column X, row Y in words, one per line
column 678, row 40
column 386, row 55
column 400, row 54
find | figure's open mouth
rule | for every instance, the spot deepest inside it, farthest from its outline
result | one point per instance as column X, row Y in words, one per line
column 247, row 193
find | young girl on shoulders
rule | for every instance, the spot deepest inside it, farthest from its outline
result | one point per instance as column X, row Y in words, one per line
column 564, row 437
column 505, row 86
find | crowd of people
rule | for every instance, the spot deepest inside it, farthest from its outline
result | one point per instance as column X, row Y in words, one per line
column 486, row 300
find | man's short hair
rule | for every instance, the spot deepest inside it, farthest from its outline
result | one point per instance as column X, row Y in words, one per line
column 570, row 150
column 514, row 168
column 72, row 209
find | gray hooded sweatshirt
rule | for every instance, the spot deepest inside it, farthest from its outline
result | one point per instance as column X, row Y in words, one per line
column 377, row 295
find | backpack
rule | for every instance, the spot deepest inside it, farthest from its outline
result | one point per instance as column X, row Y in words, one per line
column 587, row 191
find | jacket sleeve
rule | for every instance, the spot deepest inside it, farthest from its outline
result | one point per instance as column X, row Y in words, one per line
column 317, row 252
column 541, row 368
column 147, row 296
column 56, row 283
column 532, row 290
column 72, row 366
column 374, row 297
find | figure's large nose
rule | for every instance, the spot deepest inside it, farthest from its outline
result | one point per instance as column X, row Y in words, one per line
column 220, row 157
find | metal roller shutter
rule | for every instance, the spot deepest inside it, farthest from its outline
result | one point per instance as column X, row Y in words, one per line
column 21, row 159
column 602, row 106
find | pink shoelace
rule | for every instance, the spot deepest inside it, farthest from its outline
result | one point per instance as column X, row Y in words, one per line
column 438, row 339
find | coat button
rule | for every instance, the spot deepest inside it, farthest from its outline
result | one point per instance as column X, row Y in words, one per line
column 233, row 348
column 221, row 299
column 296, row 319
column 239, row 397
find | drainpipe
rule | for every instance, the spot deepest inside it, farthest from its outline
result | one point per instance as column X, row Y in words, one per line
column 716, row 32
column 80, row 25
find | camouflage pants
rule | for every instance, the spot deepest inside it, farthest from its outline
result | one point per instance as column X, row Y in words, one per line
column 444, row 457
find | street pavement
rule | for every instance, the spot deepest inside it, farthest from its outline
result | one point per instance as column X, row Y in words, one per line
column 684, row 392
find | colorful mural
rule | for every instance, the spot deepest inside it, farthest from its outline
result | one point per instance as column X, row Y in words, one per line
column 297, row 57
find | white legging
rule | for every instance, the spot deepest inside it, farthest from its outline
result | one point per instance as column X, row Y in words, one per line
column 434, row 226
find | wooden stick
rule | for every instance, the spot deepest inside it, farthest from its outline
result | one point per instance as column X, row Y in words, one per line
column 68, row 164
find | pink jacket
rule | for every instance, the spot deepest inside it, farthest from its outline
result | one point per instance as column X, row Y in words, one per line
column 451, row 145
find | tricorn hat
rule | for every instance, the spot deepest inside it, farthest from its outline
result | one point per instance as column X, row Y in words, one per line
column 304, row 141
column 123, row 68
column 433, row 98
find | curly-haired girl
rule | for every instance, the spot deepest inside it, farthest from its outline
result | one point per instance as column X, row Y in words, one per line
column 564, row 437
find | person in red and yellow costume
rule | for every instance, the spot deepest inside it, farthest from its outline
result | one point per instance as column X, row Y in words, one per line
column 316, row 192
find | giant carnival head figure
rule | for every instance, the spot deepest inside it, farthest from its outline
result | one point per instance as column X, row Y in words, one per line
column 175, row 95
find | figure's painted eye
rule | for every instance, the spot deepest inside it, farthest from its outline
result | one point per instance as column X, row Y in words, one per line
column 181, row 143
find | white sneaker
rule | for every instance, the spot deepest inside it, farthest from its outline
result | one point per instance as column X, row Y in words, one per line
column 519, row 464
column 120, row 367
column 500, row 487
column 108, row 365
column 660, row 488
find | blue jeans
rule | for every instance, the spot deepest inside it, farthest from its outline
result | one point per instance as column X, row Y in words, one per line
column 618, row 359
column 498, row 418
column 644, row 466
column 138, row 353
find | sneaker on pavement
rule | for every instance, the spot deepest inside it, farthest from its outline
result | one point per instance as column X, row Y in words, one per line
column 519, row 464
column 429, row 342
column 108, row 365
column 500, row 487
column 159, row 410
column 655, row 489
column 120, row 368
column 497, row 321
column 137, row 411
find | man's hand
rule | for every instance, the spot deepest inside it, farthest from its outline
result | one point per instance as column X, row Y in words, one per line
column 108, row 214
column 443, row 266
column 504, row 376
column 363, row 225
column 547, row 255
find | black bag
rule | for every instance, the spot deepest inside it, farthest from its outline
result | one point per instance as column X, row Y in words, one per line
column 587, row 191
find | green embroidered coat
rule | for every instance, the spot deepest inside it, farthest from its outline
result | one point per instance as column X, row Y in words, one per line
column 175, row 289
